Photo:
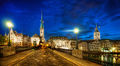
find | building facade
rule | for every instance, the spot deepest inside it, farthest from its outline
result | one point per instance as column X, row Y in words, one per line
column 115, row 45
column 60, row 42
column 35, row 39
column 26, row 41
column 83, row 46
column 73, row 43
column 95, row 45
column 18, row 39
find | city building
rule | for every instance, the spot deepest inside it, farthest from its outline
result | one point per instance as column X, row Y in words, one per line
column 83, row 45
column 60, row 42
column 106, row 45
column 26, row 41
column 94, row 45
column 35, row 39
column 115, row 45
column 73, row 43
column 16, row 39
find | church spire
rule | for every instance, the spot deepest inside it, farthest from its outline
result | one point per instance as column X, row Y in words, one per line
column 41, row 17
column 96, row 29
column 42, row 26
column 42, row 29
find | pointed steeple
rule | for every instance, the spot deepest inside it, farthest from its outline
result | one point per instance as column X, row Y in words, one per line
column 42, row 26
column 96, row 29
column 41, row 17
column 42, row 29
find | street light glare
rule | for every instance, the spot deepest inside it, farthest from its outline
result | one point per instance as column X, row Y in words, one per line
column 76, row 30
column 9, row 24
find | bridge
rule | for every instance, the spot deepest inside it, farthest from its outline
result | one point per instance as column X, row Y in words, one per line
column 44, row 57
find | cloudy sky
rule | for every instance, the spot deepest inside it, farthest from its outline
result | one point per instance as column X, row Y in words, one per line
column 61, row 16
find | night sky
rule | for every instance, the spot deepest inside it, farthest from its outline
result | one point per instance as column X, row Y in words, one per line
column 62, row 16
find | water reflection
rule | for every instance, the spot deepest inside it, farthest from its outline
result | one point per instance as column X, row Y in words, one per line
column 106, row 59
column 114, row 60
column 110, row 58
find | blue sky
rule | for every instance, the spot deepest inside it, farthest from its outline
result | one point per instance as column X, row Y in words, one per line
column 62, row 15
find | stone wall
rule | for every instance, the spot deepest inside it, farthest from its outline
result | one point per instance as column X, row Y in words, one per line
column 77, row 53
column 7, row 51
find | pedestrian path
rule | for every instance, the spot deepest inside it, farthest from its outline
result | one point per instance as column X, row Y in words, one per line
column 44, row 57
column 79, row 62
column 11, row 60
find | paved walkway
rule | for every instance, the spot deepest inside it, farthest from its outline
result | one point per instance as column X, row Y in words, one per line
column 10, row 60
column 79, row 62
column 44, row 57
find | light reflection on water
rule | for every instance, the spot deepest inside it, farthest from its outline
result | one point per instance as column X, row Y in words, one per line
column 110, row 58
column 114, row 60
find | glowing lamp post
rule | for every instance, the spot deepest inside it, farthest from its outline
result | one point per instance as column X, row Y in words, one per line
column 76, row 31
column 9, row 25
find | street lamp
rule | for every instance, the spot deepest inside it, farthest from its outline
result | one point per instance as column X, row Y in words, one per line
column 9, row 25
column 76, row 31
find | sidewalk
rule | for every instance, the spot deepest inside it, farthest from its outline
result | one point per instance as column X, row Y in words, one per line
column 79, row 62
column 10, row 60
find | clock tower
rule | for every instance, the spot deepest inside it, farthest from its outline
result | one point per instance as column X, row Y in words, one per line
column 96, row 34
